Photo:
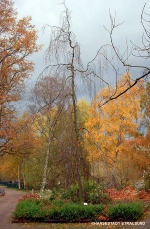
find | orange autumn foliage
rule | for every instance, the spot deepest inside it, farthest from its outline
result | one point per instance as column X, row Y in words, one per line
column 139, row 147
column 23, row 139
column 111, row 125
column 24, row 145
column 17, row 42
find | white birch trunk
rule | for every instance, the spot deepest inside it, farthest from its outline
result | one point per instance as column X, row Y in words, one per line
column 45, row 168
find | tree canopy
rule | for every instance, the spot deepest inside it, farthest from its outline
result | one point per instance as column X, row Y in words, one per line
column 17, row 42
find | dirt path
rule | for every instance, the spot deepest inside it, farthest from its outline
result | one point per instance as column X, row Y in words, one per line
column 9, row 201
column 7, row 206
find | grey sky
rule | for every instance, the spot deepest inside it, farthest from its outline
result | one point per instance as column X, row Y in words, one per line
column 88, row 20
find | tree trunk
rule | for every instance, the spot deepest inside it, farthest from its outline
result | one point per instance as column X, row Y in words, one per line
column 77, row 148
column 113, row 176
column 45, row 168
column 24, row 181
column 19, row 177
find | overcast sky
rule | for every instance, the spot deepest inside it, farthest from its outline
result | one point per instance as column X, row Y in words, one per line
column 88, row 20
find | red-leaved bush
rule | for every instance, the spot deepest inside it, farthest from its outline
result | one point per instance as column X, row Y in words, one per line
column 30, row 196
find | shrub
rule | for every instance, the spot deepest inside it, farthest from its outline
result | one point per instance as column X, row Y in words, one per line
column 57, row 203
column 70, row 212
column 128, row 211
column 54, row 213
column 31, row 209
column 71, row 193
column 51, row 195
column 39, row 209
column 92, row 192
column 46, row 194
column 75, row 212
column 30, row 196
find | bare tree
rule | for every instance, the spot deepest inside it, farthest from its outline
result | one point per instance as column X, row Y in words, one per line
column 63, row 54
column 138, row 53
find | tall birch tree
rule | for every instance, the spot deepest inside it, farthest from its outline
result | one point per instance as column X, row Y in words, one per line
column 49, row 96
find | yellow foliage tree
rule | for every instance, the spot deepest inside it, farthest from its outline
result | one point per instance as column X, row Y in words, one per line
column 110, row 125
